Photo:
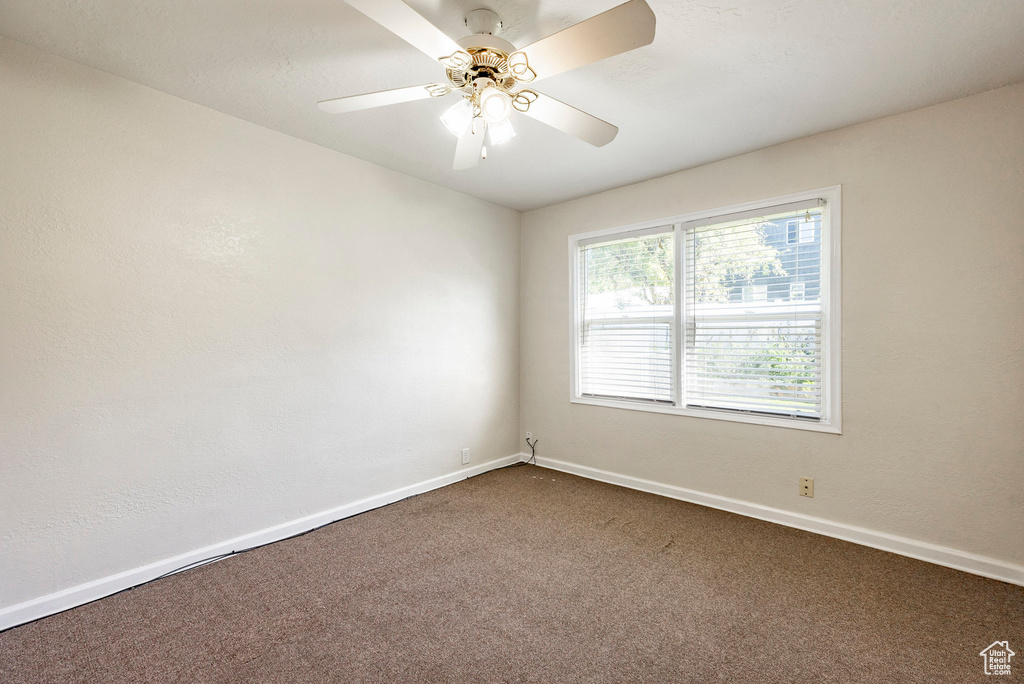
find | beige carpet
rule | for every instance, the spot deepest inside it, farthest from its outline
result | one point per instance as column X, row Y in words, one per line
column 529, row 575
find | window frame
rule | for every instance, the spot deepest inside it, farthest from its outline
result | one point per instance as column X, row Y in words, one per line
column 831, row 302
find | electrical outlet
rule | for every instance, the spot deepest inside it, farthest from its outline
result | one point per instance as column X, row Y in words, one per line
column 465, row 456
column 807, row 486
column 529, row 435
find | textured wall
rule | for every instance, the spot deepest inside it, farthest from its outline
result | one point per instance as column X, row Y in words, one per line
column 933, row 387
column 207, row 328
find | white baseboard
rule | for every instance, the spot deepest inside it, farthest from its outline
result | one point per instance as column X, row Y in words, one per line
column 940, row 555
column 90, row 591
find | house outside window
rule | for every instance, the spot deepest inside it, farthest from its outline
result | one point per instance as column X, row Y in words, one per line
column 730, row 314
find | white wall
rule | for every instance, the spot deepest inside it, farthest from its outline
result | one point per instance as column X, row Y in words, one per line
column 933, row 274
column 208, row 328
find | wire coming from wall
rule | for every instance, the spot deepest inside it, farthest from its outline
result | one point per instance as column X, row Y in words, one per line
column 533, row 450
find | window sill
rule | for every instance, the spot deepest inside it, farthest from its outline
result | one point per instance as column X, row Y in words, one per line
column 792, row 423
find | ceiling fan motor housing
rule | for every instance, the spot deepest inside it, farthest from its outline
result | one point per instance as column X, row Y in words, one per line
column 487, row 64
column 488, row 56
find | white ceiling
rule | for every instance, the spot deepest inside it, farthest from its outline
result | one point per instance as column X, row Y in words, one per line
column 722, row 77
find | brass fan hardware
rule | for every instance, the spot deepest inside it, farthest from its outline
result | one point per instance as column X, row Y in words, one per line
column 438, row 89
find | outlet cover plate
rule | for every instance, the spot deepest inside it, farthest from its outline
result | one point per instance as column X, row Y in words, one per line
column 807, row 486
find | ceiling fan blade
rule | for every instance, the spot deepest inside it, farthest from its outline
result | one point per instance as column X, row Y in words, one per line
column 471, row 145
column 354, row 103
column 407, row 24
column 568, row 119
column 620, row 29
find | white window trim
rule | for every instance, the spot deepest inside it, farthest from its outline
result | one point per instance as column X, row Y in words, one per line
column 831, row 240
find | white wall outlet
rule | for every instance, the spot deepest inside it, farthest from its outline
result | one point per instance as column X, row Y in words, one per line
column 807, row 486
column 529, row 435
column 465, row 456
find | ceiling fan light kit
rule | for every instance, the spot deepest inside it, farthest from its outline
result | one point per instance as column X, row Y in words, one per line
column 458, row 118
column 488, row 72
column 495, row 105
column 501, row 132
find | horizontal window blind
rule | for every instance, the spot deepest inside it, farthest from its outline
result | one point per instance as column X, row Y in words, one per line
column 626, row 316
column 753, row 313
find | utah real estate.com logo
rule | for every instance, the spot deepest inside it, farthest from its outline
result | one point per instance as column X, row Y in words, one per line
column 997, row 658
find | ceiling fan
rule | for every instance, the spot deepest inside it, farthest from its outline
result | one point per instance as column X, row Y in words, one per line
column 489, row 72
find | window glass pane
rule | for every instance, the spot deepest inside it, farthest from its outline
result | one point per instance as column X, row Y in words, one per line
column 754, row 316
column 626, row 314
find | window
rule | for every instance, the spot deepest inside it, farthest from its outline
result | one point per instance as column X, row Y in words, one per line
column 627, row 305
column 729, row 314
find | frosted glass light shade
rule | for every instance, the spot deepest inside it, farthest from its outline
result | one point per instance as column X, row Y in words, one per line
column 501, row 132
column 458, row 118
column 495, row 106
